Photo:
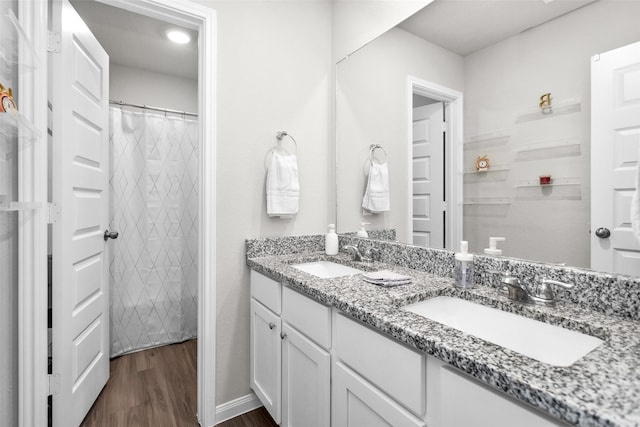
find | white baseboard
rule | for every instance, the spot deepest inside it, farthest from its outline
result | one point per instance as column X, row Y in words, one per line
column 237, row 407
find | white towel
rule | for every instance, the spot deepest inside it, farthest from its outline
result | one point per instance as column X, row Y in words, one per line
column 283, row 187
column 635, row 205
column 376, row 196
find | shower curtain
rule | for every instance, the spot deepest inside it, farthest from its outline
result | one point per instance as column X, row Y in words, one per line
column 154, row 206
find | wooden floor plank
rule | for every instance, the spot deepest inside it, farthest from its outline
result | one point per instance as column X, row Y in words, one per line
column 158, row 388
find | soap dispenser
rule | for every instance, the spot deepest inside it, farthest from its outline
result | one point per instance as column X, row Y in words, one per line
column 493, row 246
column 331, row 241
column 362, row 232
column 463, row 267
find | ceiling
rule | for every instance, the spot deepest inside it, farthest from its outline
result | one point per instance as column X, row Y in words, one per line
column 138, row 41
column 466, row 26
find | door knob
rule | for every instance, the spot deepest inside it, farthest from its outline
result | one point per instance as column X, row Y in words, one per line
column 603, row 233
column 110, row 235
column 283, row 335
column 272, row 325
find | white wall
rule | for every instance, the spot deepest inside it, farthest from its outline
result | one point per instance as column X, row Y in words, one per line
column 274, row 73
column 372, row 107
column 137, row 86
column 356, row 23
column 507, row 79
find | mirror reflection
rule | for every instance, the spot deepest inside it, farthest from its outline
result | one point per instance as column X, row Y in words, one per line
column 484, row 111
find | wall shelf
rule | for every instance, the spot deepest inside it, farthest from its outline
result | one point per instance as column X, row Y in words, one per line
column 559, row 189
column 487, row 206
column 557, row 109
column 13, row 206
column 495, row 173
column 549, row 150
column 17, row 49
column 487, row 140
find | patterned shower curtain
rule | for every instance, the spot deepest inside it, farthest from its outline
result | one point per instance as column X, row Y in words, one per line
column 154, row 206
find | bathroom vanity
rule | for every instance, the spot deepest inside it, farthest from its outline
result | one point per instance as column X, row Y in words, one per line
column 342, row 352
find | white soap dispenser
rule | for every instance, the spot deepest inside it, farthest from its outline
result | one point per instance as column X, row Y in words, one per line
column 362, row 232
column 463, row 267
column 493, row 246
column 331, row 241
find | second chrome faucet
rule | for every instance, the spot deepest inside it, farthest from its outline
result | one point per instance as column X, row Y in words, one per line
column 540, row 293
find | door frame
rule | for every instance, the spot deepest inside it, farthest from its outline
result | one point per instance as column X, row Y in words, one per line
column 33, row 381
column 453, row 111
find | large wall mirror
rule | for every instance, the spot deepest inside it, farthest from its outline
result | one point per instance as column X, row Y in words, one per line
column 453, row 96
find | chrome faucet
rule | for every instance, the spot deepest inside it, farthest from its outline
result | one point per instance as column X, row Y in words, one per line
column 540, row 294
column 369, row 254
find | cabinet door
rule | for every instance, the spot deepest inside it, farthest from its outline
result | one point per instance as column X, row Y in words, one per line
column 356, row 403
column 266, row 357
column 306, row 376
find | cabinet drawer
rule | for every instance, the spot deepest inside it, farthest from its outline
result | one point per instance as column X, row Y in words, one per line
column 267, row 291
column 307, row 316
column 395, row 369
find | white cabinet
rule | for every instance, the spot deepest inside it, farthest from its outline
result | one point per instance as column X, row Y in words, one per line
column 357, row 403
column 266, row 357
column 306, row 373
column 290, row 361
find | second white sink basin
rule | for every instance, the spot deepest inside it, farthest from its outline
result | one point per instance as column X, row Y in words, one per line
column 326, row 269
column 541, row 341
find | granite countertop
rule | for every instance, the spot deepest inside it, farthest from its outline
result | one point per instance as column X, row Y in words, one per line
column 601, row 389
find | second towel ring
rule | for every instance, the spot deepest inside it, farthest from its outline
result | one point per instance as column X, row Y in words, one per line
column 280, row 136
column 374, row 147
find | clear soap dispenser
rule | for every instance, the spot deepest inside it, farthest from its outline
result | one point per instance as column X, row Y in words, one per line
column 463, row 267
column 362, row 232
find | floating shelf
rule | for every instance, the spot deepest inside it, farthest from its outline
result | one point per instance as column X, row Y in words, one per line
column 559, row 189
column 16, row 49
column 487, row 140
column 12, row 206
column 549, row 150
column 558, row 109
column 495, row 173
column 487, row 206
column 487, row 201
column 15, row 124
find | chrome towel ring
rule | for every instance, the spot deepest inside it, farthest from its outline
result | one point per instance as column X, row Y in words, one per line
column 374, row 147
column 280, row 136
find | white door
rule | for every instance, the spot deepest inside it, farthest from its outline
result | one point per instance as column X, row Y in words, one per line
column 266, row 358
column 306, row 381
column 615, row 140
column 428, row 222
column 80, row 172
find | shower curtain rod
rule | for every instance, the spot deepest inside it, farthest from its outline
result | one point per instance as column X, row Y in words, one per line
column 148, row 107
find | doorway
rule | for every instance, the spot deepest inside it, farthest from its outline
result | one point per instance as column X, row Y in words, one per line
column 434, row 120
column 199, row 176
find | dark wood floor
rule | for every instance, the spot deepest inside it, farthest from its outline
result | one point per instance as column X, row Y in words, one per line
column 257, row 418
column 158, row 388
column 155, row 387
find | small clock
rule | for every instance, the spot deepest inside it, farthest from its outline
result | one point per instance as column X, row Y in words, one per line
column 482, row 163
column 7, row 102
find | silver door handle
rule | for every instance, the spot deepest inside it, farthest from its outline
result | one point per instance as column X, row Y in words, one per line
column 603, row 232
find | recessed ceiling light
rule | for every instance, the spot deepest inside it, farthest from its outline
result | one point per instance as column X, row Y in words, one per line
column 178, row 36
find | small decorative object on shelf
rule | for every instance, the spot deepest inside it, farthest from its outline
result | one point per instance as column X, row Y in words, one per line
column 482, row 163
column 545, row 179
column 545, row 103
column 7, row 102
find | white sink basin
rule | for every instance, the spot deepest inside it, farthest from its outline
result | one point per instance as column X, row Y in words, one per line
column 547, row 343
column 326, row 269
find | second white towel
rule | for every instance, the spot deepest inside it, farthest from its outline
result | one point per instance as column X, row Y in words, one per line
column 283, row 186
column 376, row 196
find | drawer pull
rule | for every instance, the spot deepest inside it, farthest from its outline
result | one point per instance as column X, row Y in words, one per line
column 272, row 325
column 283, row 335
